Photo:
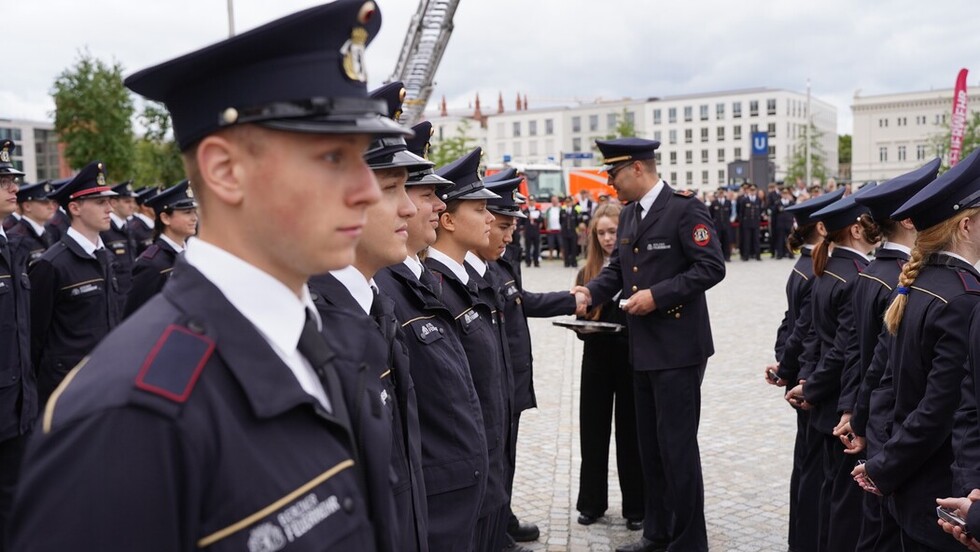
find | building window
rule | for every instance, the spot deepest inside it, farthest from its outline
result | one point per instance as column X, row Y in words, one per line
column 673, row 158
column 688, row 136
column 772, row 150
column 720, row 134
column 737, row 110
column 920, row 119
column 902, row 121
column 549, row 126
column 672, row 115
column 704, row 112
column 656, row 135
column 630, row 118
column 532, row 128
column 719, row 111
column 737, row 133
column 690, row 178
column 754, row 108
column 920, row 152
column 704, row 178
column 612, row 120
column 656, row 158
column 721, row 177
column 673, row 177
column 882, row 123
column 738, row 153
column 576, row 124
column 883, row 154
column 10, row 134
column 672, row 134
column 753, row 129
column 576, row 144
column 772, row 130
column 771, row 106
column 517, row 128
column 688, row 113
column 656, row 116
column 689, row 157
column 704, row 134
column 721, row 155
column 901, row 153
column 594, row 123
column 704, row 156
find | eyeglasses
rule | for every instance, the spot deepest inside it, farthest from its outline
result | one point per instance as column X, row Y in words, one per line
column 7, row 183
column 616, row 170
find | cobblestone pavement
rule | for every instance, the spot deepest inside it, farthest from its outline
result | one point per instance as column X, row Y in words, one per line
column 746, row 434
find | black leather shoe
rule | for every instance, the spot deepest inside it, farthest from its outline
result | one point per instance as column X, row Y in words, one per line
column 634, row 524
column 586, row 519
column 523, row 532
column 514, row 547
column 642, row 545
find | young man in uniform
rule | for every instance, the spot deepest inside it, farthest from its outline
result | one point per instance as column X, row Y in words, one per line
column 668, row 256
column 74, row 291
column 454, row 447
column 389, row 445
column 142, row 222
column 18, row 390
column 214, row 418
column 749, row 209
column 119, row 239
column 36, row 209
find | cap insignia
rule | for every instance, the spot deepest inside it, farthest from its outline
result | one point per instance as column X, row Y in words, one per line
column 353, row 51
column 190, row 192
column 100, row 179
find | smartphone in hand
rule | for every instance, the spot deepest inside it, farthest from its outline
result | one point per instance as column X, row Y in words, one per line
column 951, row 517
column 771, row 374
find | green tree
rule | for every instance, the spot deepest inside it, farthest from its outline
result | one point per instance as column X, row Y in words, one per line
column 971, row 139
column 93, row 115
column 625, row 127
column 797, row 161
column 844, row 149
column 157, row 155
column 449, row 149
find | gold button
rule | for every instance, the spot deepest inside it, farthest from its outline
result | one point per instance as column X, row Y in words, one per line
column 634, row 288
column 636, row 250
column 518, row 300
column 678, row 315
column 635, row 269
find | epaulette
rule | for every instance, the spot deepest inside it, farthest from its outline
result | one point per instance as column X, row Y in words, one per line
column 684, row 193
column 437, row 280
column 151, row 251
column 175, row 362
column 860, row 267
column 970, row 282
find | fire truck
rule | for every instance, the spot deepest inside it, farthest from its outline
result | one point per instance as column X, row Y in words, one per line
column 541, row 181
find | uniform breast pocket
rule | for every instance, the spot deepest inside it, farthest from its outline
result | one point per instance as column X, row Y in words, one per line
column 84, row 291
column 427, row 331
column 470, row 321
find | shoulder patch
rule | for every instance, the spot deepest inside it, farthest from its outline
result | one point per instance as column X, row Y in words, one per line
column 684, row 193
column 701, row 235
column 970, row 282
column 151, row 251
column 174, row 364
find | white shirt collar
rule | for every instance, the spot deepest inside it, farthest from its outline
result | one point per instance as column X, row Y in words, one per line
column 476, row 262
column 897, row 247
column 146, row 220
column 647, row 200
column 38, row 228
column 2, row 233
column 177, row 247
column 17, row 216
column 808, row 246
column 359, row 287
column 86, row 245
column 264, row 301
column 457, row 269
column 413, row 263
column 117, row 221
column 851, row 249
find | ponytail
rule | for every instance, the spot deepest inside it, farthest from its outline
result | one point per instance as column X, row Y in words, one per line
column 893, row 316
column 821, row 253
column 870, row 229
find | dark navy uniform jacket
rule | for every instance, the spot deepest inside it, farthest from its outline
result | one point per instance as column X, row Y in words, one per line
column 833, row 324
column 183, row 431
column 966, row 428
column 673, row 252
column 872, row 296
column 519, row 305
column 57, row 225
column 18, row 388
column 793, row 330
column 749, row 212
column 120, row 242
column 928, row 358
column 29, row 240
column 476, row 324
column 142, row 234
column 381, row 399
column 9, row 222
column 151, row 270
column 73, row 305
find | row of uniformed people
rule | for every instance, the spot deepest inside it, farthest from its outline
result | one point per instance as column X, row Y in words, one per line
column 875, row 355
column 389, row 436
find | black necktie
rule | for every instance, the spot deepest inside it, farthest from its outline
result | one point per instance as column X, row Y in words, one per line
column 102, row 255
column 313, row 346
column 639, row 213
column 5, row 251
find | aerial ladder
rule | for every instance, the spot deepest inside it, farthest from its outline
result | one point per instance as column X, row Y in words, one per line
column 428, row 34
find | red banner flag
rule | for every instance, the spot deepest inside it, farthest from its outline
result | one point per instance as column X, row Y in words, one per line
column 957, row 124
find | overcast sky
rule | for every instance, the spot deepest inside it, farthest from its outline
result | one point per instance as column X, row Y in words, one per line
column 547, row 49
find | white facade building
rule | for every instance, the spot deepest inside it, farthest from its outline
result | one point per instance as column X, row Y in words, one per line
column 699, row 133
column 895, row 133
column 37, row 148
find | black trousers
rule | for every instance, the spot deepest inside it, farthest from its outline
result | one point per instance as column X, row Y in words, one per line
column 799, row 458
column 554, row 245
column 11, row 453
column 748, row 245
column 810, row 516
column 569, row 249
column 840, row 496
column 725, row 239
column 532, row 248
column 668, row 412
column 778, row 242
column 607, row 391
column 880, row 532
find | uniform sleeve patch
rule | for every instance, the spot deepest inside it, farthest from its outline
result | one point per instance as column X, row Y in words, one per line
column 174, row 364
column 701, row 235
